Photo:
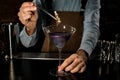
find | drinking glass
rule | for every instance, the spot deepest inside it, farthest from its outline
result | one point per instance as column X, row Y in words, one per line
column 59, row 34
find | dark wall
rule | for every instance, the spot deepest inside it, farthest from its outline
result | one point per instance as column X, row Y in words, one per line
column 110, row 19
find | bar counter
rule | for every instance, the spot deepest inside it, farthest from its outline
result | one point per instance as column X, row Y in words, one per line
column 36, row 66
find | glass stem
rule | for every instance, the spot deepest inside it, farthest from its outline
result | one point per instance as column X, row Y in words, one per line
column 60, row 49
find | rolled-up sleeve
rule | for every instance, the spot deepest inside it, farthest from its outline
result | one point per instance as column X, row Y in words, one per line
column 27, row 40
column 91, row 26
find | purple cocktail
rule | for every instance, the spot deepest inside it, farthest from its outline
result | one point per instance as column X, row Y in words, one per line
column 60, row 35
column 60, row 38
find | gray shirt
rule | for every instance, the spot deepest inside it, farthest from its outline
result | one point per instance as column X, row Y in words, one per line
column 91, row 31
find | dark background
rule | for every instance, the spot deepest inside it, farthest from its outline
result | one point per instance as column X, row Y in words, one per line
column 110, row 19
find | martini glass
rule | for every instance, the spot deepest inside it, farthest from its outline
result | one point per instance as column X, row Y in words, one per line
column 59, row 34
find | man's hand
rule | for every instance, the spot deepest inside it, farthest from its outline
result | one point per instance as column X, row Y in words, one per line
column 28, row 16
column 75, row 63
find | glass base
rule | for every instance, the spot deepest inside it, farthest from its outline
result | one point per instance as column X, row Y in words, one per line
column 55, row 72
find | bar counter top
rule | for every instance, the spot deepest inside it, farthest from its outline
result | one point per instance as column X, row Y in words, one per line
column 32, row 68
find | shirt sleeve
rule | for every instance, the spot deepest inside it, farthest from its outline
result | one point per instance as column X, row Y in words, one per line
column 91, row 26
column 27, row 40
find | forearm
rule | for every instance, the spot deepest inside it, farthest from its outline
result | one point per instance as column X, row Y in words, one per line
column 91, row 26
column 89, row 40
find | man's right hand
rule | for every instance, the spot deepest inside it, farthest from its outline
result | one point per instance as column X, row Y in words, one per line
column 28, row 16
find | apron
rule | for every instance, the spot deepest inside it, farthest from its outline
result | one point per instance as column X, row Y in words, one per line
column 70, row 18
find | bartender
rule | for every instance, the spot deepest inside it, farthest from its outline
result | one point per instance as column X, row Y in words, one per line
column 69, row 11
